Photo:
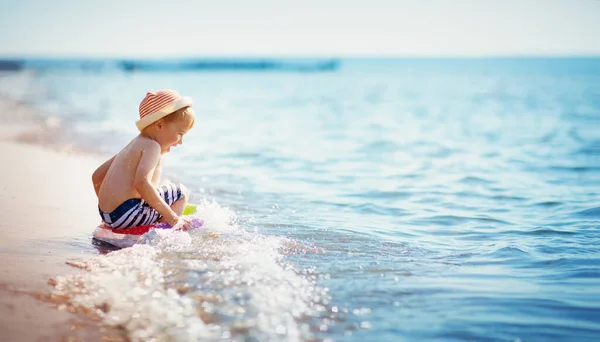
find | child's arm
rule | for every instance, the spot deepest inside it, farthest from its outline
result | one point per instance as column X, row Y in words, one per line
column 100, row 173
column 143, row 183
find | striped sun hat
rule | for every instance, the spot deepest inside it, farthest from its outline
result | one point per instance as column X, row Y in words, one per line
column 159, row 104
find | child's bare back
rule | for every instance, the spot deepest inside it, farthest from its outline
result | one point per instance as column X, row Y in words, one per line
column 127, row 184
column 118, row 185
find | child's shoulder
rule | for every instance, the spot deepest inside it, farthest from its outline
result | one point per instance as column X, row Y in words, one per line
column 141, row 143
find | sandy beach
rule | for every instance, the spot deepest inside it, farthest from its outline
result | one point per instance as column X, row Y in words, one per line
column 48, row 214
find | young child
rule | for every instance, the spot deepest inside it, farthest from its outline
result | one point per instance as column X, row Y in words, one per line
column 127, row 184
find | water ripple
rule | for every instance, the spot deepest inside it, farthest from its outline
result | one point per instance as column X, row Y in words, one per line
column 591, row 213
column 453, row 220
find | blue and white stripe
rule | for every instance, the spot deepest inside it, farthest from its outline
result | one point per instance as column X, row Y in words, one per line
column 137, row 212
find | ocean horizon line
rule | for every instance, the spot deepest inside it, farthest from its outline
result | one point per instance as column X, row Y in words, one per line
column 253, row 63
column 297, row 56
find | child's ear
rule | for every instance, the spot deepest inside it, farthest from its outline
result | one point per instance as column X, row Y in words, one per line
column 160, row 123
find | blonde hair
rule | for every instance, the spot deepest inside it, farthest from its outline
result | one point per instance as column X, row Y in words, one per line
column 185, row 115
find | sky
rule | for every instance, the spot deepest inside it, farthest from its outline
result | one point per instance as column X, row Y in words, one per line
column 309, row 28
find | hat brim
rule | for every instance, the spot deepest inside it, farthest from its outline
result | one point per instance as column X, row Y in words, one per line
column 170, row 108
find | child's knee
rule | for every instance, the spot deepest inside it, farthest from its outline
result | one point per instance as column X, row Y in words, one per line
column 184, row 191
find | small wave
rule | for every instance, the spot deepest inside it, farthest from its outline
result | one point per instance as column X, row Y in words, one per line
column 545, row 263
column 379, row 146
column 125, row 288
column 540, row 232
column 452, row 220
column 584, row 273
column 548, row 204
column 548, row 137
column 473, row 194
column 540, row 317
column 590, row 149
column 591, row 213
column 365, row 208
column 371, row 208
column 39, row 127
column 508, row 251
column 377, row 194
column 573, row 168
column 474, row 180
column 507, row 197
column 215, row 282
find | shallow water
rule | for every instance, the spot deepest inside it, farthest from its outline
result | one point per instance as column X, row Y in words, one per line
column 391, row 200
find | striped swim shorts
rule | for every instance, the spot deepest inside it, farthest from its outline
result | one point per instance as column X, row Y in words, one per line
column 136, row 212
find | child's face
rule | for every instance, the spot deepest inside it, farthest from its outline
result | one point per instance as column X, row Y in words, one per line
column 171, row 134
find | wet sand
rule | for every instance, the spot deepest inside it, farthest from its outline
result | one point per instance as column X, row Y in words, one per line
column 47, row 217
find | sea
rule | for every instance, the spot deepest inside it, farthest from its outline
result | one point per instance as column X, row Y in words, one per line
column 383, row 199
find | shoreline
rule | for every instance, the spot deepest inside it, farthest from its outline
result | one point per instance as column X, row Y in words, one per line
column 47, row 218
column 24, row 124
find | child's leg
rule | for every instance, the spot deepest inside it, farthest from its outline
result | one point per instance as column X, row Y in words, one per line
column 179, row 205
column 176, row 197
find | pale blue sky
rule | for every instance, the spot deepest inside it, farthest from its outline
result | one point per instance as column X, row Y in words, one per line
column 118, row 28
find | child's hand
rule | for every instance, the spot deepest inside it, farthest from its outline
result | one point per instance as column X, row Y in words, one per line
column 182, row 224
